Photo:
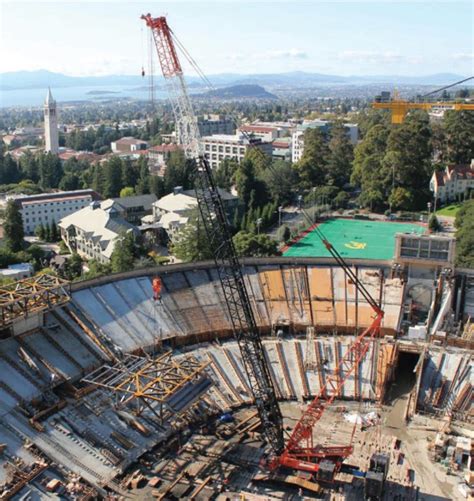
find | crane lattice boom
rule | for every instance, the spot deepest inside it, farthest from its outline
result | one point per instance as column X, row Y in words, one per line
column 217, row 229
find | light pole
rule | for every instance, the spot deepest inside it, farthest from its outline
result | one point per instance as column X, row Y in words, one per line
column 259, row 222
column 279, row 215
column 429, row 210
column 300, row 199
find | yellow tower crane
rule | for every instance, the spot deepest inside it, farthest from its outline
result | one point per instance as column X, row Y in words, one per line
column 400, row 107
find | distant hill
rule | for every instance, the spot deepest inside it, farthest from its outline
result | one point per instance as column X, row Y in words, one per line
column 296, row 79
column 241, row 91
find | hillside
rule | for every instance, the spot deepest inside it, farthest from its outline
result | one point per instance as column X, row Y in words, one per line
column 241, row 91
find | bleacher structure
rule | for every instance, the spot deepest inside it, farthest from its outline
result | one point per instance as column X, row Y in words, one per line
column 106, row 373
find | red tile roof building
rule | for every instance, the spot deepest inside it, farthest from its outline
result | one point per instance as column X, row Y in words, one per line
column 455, row 182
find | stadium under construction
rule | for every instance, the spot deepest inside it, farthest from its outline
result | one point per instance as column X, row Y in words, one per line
column 106, row 391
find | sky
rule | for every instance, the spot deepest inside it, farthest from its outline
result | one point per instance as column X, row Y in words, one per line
column 85, row 38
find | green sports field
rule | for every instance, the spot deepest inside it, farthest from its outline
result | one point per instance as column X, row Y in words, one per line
column 353, row 238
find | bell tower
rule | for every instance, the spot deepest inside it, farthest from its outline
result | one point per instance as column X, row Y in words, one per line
column 50, row 124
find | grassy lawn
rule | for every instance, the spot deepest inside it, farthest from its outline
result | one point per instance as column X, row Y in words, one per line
column 449, row 210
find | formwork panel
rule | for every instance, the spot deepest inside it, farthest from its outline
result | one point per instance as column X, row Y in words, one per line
column 103, row 319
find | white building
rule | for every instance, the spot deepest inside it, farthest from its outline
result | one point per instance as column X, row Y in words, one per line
column 18, row 271
column 223, row 146
column 48, row 207
column 453, row 183
column 51, row 135
column 172, row 211
column 297, row 143
column 127, row 145
column 93, row 231
column 211, row 124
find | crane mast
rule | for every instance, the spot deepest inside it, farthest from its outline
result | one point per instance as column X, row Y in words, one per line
column 218, row 232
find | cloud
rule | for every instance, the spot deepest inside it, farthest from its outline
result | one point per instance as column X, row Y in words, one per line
column 464, row 56
column 371, row 57
column 285, row 54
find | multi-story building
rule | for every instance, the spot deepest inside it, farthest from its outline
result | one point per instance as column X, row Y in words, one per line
column 223, row 146
column 455, row 182
column 92, row 232
column 282, row 149
column 48, row 207
column 432, row 250
column 135, row 207
column 297, row 143
column 127, row 145
column 172, row 211
column 51, row 135
column 263, row 132
column 211, row 124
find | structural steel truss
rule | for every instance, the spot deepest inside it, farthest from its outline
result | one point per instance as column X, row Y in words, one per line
column 147, row 382
column 31, row 295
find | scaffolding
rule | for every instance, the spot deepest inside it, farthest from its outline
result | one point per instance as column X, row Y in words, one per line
column 159, row 384
column 32, row 295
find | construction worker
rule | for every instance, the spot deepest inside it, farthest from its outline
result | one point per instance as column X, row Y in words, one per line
column 156, row 285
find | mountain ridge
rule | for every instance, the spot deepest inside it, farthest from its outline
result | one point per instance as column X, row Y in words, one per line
column 43, row 78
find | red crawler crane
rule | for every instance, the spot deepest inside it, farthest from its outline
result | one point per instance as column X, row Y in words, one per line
column 300, row 452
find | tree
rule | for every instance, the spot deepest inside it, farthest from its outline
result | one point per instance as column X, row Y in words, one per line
column 281, row 180
column 252, row 190
column 29, row 167
column 50, row 171
column 191, row 242
column 157, row 186
column 39, row 232
column 459, row 127
column 368, row 170
column 112, row 178
column 143, row 184
column 465, row 235
column 96, row 269
column 179, row 172
column 54, row 232
column 224, row 174
column 69, row 182
column 123, row 254
column 341, row 155
column 252, row 245
column 400, row 198
column 261, row 161
column 9, row 171
column 341, row 200
column 411, row 141
column 433, row 223
column 13, row 227
column 127, row 192
column 73, row 267
column 47, row 233
column 313, row 164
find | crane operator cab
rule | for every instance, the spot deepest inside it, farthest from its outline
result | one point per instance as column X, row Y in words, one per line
column 156, row 286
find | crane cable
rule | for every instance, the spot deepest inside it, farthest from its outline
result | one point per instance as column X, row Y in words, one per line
column 446, row 87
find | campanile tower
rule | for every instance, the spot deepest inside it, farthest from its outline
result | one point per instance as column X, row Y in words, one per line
column 50, row 124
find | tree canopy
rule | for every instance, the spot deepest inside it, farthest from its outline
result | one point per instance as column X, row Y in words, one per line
column 13, row 227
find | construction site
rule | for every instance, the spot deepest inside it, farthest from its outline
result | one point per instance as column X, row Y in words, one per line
column 241, row 379
column 107, row 392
